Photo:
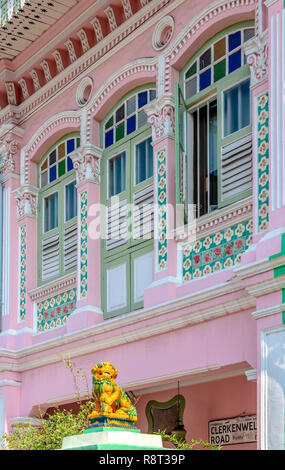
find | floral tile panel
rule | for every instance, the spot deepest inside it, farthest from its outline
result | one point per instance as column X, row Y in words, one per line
column 23, row 272
column 54, row 312
column 216, row 252
column 263, row 163
column 83, row 245
column 162, row 209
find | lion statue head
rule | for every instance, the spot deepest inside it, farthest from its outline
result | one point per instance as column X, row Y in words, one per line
column 105, row 371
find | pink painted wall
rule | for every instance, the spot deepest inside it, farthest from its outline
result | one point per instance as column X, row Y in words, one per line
column 211, row 401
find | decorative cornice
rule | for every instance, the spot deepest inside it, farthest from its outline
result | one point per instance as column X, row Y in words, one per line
column 9, row 383
column 269, row 286
column 11, row 93
column 24, row 88
column 251, row 374
column 86, row 162
column 269, row 311
column 136, row 334
column 137, row 24
column 256, row 51
column 27, row 201
column 218, row 220
column 268, row 3
column 161, row 115
column 52, row 288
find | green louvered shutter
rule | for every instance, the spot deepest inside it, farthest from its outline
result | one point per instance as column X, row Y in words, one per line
column 181, row 153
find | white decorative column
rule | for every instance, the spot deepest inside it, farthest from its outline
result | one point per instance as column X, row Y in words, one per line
column 27, row 212
column 161, row 115
column 86, row 161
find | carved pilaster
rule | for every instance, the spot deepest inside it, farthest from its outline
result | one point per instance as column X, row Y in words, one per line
column 256, row 51
column 86, row 162
column 27, row 201
column 161, row 115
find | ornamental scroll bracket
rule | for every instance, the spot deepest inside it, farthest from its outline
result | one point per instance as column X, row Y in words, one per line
column 161, row 115
column 256, row 51
column 86, row 162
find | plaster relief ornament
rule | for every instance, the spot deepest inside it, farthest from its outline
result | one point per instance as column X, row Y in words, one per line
column 256, row 51
column 86, row 162
column 7, row 150
column 111, row 401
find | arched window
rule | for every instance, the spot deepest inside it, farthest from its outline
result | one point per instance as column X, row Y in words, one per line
column 58, row 211
column 127, row 178
column 214, row 142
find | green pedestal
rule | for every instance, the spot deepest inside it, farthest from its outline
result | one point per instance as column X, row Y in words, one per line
column 112, row 435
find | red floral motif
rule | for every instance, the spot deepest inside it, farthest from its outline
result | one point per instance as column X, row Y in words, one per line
column 52, row 315
column 71, row 305
column 46, row 315
column 58, row 310
column 196, row 259
column 229, row 250
column 208, row 258
column 217, row 251
column 238, row 244
column 65, row 310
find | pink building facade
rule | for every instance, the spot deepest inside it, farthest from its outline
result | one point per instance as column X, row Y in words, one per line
column 143, row 210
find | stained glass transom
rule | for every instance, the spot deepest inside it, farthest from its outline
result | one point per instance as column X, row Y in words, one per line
column 220, row 59
column 128, row 117
column 58, row 162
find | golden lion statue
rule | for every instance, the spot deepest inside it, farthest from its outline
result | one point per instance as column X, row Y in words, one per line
column 111, row 400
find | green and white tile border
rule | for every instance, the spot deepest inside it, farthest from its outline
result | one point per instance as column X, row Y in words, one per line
column 263, row 162
column 83, row 231
column 22, row 272
column 162, row 254
column 54, row 312
column 216, row 252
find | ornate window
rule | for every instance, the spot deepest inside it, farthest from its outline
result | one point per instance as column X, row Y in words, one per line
column 213, row 124
column 127, row 178
column 127, row 117
column 58, row 211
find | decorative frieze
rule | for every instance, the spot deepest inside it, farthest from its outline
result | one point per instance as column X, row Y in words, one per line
column 127, row 9
column 216, row 252
column 11, row 93
column 71, row 50
column 35, row 79
column 46, row 69
column 98, row 29
column 263, row 161
column 55, row 311
column 109, row 12
column 24, row 88
column 161, row 115
column 27, row 201
column 256, row 51
column 162, row 257
column 85, row 62
column 58, row 61
column 84, row 40
column 86, row 162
